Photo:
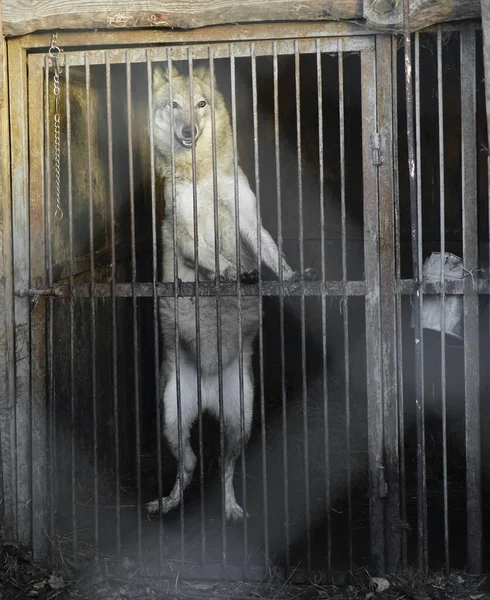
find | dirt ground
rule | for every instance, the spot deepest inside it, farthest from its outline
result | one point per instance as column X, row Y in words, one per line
column 20, row 578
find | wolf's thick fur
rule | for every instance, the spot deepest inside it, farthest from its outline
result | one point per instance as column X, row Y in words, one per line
column 179, row 102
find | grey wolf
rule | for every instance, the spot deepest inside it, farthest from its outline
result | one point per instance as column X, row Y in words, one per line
column 183, row 133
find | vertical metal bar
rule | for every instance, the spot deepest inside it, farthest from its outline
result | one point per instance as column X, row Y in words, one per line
column 261, row 325
column 399, row 307
column 93, row 311
column 372, row 311
column 39, row 447
column 115, row 396
column 158, row 391
column 52, row 462
column 197, row 308
column 136, row 355
column 73, row 397
column 326, row 424
column 306, row 463
column 239, row 307
column 384, row 77
column 281, row 306
column 440, row 105
column 218, row 315
column 471, row 330
column 416, row 230
column 344, row 301
column 20, row 221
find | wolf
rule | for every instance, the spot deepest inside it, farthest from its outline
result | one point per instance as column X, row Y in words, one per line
column 183, row 127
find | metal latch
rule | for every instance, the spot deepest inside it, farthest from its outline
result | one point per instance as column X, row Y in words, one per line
column 376, row 148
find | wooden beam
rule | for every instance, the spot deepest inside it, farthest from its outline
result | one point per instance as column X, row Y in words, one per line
column 485, row 17
column 24, row 16
column 7, row 400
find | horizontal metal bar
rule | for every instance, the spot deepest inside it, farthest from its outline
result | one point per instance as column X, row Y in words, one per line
column 220, row 50
column 188, row 289
column 269, row 288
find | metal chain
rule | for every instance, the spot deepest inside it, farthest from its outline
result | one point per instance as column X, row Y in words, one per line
column 53, row 54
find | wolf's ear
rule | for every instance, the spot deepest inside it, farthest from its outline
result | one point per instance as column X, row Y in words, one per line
column 204, row 75
column 160, row 76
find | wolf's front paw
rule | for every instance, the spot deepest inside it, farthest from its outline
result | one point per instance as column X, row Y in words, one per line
column 229, row 273
column 234, row 512
column 153, row 508
column 293, row 278
column 250, row 277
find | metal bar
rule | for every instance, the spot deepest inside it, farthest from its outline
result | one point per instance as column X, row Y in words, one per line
column 93, row 312
column 372, row 310
column 39, row 440
column 20, row 234
column 326, row 441
column 112, row 235
column 136, row 353
column 239, row 307
column 49, row 210
column 73, row 396
column 470, row 299
column 344, row 302
column 153, row 288
column 226, row 33
column 440, row 103
column 218, row 317
column 306, row 462
column 263, row 437
column 384, row 77
column 416, row 230
column 281, row 306
column 399, row 309
column 197, row 308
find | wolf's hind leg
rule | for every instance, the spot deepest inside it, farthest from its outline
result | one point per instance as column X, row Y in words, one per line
column 171, row 433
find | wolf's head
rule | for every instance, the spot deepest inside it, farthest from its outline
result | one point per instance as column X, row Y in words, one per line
column 178, row 102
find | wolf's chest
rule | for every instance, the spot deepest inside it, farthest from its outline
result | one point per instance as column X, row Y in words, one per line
column 209, row 212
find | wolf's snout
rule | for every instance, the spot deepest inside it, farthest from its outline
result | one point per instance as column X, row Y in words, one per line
column 187, row 131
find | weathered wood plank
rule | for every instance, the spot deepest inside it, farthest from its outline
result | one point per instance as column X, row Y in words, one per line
column 387, row 14
column 7, row 450
column 485, row 17
column 23, row 16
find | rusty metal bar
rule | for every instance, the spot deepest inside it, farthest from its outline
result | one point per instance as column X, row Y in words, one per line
column 306, row 462
column 326, row 441
column 37, row 249
column 470, row 299
column 345, row 302
column 281, row 305
column 265, row 514
column 153, row 288
column 440, row 101
column 416, row 238
column 218, row 317
column 372, row 313
column 136, row 352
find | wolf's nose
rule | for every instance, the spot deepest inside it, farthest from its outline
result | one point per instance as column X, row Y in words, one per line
column 187, row 131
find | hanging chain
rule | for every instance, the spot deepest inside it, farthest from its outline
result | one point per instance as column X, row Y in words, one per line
column 53, row 54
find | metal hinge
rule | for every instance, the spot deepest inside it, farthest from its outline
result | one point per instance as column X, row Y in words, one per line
column 382, row 483
column 376, row 149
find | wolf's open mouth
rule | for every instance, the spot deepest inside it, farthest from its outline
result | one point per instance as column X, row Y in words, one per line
column 185, row 142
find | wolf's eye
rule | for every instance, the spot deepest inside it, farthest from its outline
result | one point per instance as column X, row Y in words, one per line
column 175, row 105
column 201, row 104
